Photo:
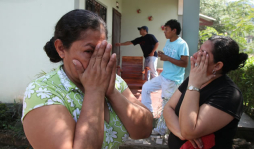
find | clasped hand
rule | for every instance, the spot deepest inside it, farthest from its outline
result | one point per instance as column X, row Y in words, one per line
column 162, row 56
column 197, row 143
column 100, row 74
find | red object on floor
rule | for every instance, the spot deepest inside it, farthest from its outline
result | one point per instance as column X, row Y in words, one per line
column 208, row 142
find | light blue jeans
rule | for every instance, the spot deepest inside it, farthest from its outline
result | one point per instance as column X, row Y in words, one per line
column 151, row 62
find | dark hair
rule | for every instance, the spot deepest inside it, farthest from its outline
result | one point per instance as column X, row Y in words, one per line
column 174, row 24
column 69, row 28
column 226, row 50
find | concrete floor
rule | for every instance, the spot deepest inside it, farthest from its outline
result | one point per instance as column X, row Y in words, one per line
column 245, row 121
column 156, row 100
column 245, row 126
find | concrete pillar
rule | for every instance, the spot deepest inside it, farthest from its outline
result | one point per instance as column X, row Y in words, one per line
column 180, row 14
column 79, row 4
column 190, row 27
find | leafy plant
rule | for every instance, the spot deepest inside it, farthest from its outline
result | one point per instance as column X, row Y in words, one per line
column 40, row 74
column 10, row 118
column 234, row 19
column 207, row 33
column 17, row 126
column 244, row 79
column 5, row 117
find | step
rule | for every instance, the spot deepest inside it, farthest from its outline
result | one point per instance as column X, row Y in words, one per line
column 246, row 128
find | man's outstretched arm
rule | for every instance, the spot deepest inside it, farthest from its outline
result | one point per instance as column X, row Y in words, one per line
column 124, row 43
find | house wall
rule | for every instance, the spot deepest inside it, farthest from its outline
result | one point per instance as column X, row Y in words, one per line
column 162, row 11
column 25, row 28
column 110, row 4
column 28, row 24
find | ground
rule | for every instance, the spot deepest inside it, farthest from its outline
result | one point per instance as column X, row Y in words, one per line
column 153, row 142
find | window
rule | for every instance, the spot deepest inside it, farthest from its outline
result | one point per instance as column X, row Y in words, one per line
column 97, row 8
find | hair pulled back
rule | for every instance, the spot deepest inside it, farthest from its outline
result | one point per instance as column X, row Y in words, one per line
column 69, row 28
column 226, row 50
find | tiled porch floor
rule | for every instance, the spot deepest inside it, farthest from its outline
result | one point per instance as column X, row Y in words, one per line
column 156, row 99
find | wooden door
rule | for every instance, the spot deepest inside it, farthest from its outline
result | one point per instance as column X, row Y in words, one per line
column 116, row 34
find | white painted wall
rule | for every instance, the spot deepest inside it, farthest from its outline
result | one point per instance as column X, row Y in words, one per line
column 110, row 4
column 161, row 10
column 26, row 25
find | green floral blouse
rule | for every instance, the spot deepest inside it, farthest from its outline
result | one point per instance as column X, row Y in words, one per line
column 55, row 88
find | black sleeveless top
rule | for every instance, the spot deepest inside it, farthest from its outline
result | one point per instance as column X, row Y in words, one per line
column 223, row 94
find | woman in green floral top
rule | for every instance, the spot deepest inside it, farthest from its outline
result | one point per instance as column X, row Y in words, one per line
column 83, row 103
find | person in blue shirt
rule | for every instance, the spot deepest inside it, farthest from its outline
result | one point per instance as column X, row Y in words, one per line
column 175, row 56
column 149, row 45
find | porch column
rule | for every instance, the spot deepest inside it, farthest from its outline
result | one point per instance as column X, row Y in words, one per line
column 79, row 4
column 190, row 27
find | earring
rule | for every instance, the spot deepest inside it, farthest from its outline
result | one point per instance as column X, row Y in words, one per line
column 214, row 72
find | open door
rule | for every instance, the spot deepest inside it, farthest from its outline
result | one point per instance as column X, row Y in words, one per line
column 116, row 34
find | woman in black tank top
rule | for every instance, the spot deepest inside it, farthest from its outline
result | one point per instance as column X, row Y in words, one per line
column 205, row 110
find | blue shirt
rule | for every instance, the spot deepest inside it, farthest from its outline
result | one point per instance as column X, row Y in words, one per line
column 175, row 50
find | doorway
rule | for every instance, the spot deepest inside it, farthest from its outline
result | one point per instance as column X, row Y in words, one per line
column 116, row 34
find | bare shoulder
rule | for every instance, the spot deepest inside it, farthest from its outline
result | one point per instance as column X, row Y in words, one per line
column 50, row 127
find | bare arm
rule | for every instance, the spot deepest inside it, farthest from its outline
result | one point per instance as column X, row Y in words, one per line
column 53, row 127
column 124, row 43
column 51, row 135
column 198, row 121
column 171, row 119
column 90, row 124
column 136, row 118
column 154, row 49
column 183, row 62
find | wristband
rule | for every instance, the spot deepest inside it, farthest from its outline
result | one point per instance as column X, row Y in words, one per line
column 193, row 88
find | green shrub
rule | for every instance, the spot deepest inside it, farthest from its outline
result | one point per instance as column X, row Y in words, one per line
column 10, row 118
column 244, row 79
column 5, row 117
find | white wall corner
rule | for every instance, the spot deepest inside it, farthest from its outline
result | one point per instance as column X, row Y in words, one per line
column 82, row 4
column 79, row 4
column 76, row 4
column 180, row 7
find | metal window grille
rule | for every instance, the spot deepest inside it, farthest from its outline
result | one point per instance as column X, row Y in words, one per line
column 97, row 8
